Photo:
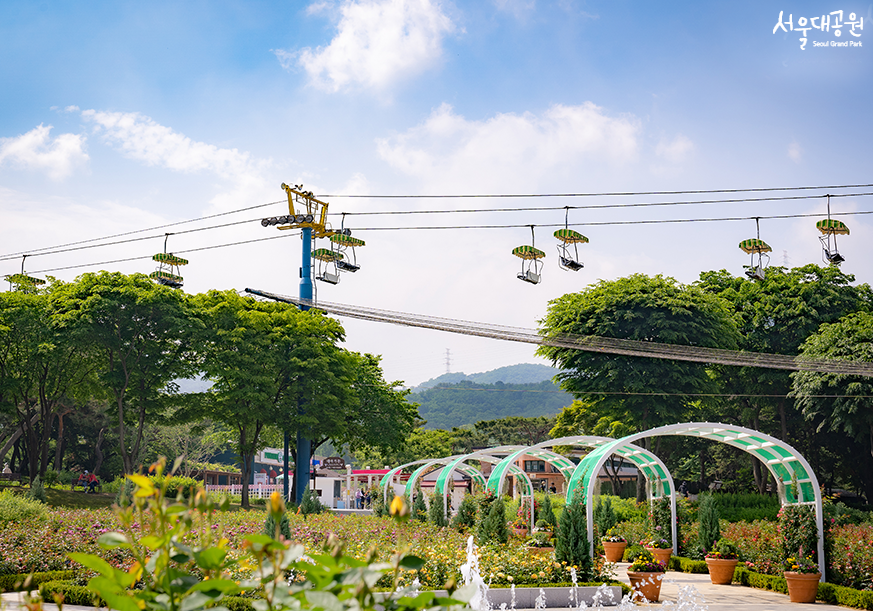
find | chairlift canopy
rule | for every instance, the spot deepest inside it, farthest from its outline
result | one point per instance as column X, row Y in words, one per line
column 346, row 240
column 832, row 226
column 528, row 252
column 326, row 255
column 169, row 259
column 754, row 245
column 569, row 236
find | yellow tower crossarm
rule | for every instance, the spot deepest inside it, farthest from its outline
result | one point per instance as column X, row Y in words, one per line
column 315, row 208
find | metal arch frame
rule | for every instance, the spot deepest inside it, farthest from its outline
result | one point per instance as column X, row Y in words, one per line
column 660, row 481
column 781, row 459
column 487, row 456
column 388, row 478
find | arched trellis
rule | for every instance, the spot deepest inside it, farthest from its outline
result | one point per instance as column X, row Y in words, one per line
column 653, row 469
column 388, row 478
column 783, row 461
column 489, row 457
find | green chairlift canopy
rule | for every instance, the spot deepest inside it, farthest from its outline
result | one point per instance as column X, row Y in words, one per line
column 169, row 259
column 160, row 275
column 24, row 279
column 754, row 245
column 346, row 240
column 568, row 236
column 528, row 252
column 832, row 226
column 326, row 254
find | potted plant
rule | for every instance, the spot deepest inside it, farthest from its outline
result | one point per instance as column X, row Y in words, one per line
column 722, row 561
column 521, row 524
column 646, row 574
column 661, row 549
column 802, row 576
column 613, row 546
column 541, row 543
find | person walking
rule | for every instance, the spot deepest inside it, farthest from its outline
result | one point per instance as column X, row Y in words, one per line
column 359, row 498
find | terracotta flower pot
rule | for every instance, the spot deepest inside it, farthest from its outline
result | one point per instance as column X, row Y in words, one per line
column 520, row 532
column 802, row 587
column 614, row 550
column 542, row 550
column 645, row 584
column 721, row 571
column 661, row 555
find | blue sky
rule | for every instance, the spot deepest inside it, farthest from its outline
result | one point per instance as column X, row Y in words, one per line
column 121, row 116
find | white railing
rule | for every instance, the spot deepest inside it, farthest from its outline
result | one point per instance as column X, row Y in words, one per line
column 257, row 491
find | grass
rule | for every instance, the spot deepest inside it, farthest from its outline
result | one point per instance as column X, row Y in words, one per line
column 64, row 497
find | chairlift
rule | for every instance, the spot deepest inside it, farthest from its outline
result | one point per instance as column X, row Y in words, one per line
column 328, row 261
column 343, row 244
column 567, row 260
column 23, row 282
column 756, row 246
column 531, row 266
column 168, row 267
column 830, row 229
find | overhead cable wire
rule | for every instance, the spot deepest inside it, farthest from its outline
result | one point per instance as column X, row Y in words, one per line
column 605, row 345
column 135, row 231
column 653, row 393
column 601, row 194
column 179, row 252
column 603, row 206
column 537, row 195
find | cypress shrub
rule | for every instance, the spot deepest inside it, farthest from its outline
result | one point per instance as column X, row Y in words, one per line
column 572, row 544
column 419, row 507
column 37, row 490
column 284, row 527
column 436, row 516
column 547, row 514
column 466, row 516
column 493, row 527
column 310, row 503
column 708, row 530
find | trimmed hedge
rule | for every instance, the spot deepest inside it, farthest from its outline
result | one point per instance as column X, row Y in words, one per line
column 687, row 565
column 73, row 594
column 15, row 583
column 827, row 592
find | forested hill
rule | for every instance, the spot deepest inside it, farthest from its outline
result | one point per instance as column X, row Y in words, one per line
column 523, row 373
column 451, row 405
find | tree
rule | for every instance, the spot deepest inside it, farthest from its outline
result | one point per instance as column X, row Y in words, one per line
column 572, row 544
column 197, row 442
column 267, row 360
column 836, row 402
column 142, row 332
column 44, row 368
column 492, row 528
column 708, row 530
column 643, row 392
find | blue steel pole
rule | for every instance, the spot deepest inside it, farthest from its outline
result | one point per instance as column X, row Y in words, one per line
column 304, row 445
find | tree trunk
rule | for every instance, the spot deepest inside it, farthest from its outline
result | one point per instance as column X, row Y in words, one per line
column 98, row 451
column 59, row 445
column 702, row 483
column 17, row 432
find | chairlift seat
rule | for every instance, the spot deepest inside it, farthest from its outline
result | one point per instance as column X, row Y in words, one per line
column 529, row 276
column 329, row 278
column 834, row 257
column 571, row 264
column 347, row 267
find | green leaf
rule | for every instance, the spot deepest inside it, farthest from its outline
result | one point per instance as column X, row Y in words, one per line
column 154, row 542
column 95, row 563
column 324, row 600
column 224, row 586
column 412, row 562
column 115, row 597
column 111, row 540
column 197, row 600
column 210, row 558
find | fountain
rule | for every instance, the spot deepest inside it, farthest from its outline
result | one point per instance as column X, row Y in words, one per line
column 470, row 574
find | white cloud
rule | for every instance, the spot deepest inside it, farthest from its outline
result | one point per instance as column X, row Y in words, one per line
column 377, row 43
column 519, row 8
column 36, row 150
column 511, row 149
column 795, row 153
column 675, row 150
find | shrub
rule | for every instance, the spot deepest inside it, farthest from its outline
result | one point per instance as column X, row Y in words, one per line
column 284, row 527
column 380, row 508
column 493, row 527
column 419, row 507
column 661, row 519
column 736, row 507
column 310, row 503
column 572, row 544
column 708, row 529
column 799, row 531
column 177, row 485
column 37, row 490
column 466, row 516
column 632, row 551
column 436, row 513
column 12, row 583
column 51, row 477
column 73, row 594
column 604, row 516
column 14, row 508
column 547, row 514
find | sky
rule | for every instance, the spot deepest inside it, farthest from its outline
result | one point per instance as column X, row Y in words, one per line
column 118, row 117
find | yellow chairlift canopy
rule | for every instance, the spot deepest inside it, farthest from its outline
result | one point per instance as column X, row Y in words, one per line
column 832, row 226
column 24, row 279
column 568, row 236
column 753, row 245
column 169, row 259
column 346, row 240
column 528, row 252
column 166, row 276
column 325, row 254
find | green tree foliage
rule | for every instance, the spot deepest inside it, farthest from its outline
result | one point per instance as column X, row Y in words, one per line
column 465, row 519
column 310, row 504
column 455, row 405
column 799, row 532
column 572, row 545
column 37, row 490
column 708, row 531
column 644, row 308
column 142, row 332
column 840, row 403
column 419, row 507
column 492, row 529
column 436, row 515
column 547, row 513
column 604, row 516
column 282, row 530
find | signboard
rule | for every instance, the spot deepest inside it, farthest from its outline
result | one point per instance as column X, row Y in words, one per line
column 334, row 463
